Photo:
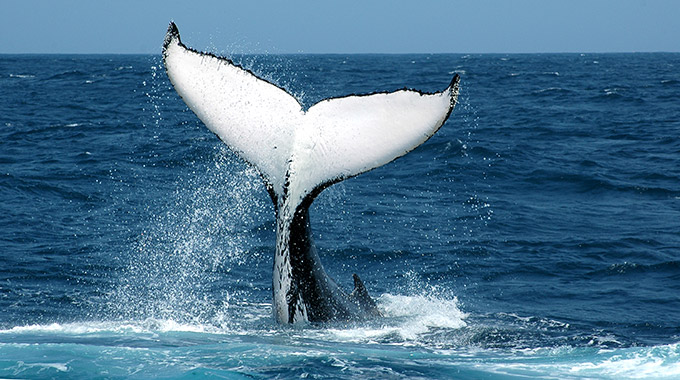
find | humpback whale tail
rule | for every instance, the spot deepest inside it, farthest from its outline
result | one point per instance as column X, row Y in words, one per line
column 299, row 153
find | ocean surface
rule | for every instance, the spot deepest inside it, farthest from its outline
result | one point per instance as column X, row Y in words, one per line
column 536, row 235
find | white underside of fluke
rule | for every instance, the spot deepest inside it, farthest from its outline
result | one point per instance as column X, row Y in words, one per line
column 296, row 151
column 334, row 139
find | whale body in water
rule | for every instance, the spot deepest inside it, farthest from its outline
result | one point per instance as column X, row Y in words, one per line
column 299, row 153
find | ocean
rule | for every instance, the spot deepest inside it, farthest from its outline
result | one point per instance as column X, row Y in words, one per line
column 536, row 235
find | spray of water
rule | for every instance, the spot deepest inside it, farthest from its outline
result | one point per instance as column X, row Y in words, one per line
column 191, row 235
column 180, row 265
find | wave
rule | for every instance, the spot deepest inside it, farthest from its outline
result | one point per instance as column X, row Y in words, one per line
column 426, row 332
column 627, row 268
column 165, row 348
column 616, row 95
column 670, row 82
column 553, row 91
column 658, row 362
column 70, row 74
column 424, row 321
column 408, row 320
column 595, row 183
column 533, row 74
column 635, row 363
column 21, row 76
column 147, row 326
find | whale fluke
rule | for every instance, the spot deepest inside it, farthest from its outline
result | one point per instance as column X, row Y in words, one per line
column 299, row 152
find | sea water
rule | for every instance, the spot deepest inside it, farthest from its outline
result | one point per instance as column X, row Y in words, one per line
column 537, row 234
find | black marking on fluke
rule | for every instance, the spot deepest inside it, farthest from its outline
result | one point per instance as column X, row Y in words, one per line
column 173, row 33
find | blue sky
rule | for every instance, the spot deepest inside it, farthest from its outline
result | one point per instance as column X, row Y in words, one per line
column 350, row 26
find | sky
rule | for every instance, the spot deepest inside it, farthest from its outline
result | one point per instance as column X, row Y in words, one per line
column 349, row 26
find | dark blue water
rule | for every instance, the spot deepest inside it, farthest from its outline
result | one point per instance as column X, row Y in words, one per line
column 536, row 234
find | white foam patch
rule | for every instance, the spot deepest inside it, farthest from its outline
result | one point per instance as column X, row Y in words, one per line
column 122, row 327
column 406, row 318
column 658, row 362
column 635, row 363
column 61, row 367
column 424, row 312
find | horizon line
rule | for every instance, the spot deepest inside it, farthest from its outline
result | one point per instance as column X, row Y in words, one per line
column 366, row 53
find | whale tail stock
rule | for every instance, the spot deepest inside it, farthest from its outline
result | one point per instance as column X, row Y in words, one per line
column 299, row 153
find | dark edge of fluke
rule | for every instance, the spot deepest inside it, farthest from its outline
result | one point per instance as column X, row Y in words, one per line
column 170, row 35
column 173, row 32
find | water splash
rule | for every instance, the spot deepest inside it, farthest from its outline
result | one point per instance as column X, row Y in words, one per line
column 180, row 264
